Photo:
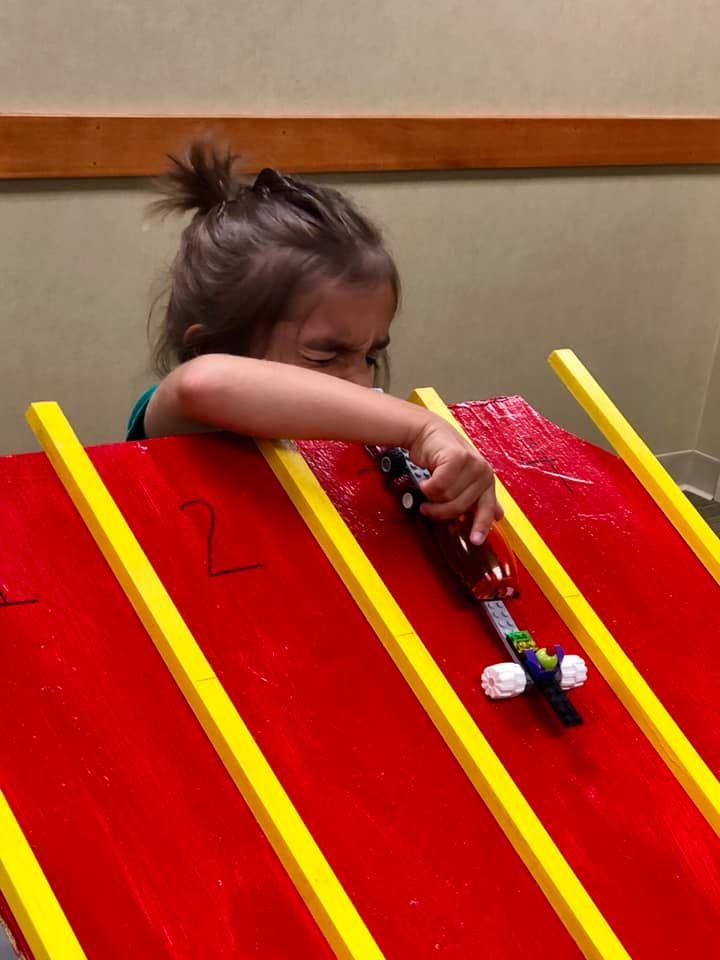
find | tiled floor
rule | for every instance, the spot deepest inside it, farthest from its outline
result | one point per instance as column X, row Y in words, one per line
column 709, row 509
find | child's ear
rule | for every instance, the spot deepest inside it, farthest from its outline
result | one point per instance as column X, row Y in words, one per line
column 192, row 332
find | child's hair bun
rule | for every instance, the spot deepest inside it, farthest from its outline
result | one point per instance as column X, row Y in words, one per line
column 201, row 179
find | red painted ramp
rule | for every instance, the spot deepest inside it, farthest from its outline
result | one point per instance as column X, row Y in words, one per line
column 640, row 576
column 627, row 828
column 144, row 838
column 408, row 837
column 142, row 834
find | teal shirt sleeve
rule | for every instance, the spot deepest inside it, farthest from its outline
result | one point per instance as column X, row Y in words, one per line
column 136, row 423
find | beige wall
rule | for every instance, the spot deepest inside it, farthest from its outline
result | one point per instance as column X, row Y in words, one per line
column 709, row 433
column 377, row 55
column 497, row 269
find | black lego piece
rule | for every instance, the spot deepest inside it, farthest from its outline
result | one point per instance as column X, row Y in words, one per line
column 556, row 697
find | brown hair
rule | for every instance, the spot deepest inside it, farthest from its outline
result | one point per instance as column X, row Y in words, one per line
column 250, row 249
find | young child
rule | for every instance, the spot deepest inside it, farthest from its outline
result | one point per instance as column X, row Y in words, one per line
column 281, row 299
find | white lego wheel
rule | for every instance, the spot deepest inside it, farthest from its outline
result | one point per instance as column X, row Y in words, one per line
column 503, row 680
column 573, row 671
column 411, row 500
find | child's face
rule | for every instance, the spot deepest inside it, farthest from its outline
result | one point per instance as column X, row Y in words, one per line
column 338, row 328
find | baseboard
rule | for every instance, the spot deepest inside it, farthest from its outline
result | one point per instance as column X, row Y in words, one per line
column 694, row 471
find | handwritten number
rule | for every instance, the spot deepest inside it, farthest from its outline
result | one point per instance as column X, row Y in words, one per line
column 212, row 572
column 4, row 602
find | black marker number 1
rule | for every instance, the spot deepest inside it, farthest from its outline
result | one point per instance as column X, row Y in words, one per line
column 211, row 571
column 4, row 602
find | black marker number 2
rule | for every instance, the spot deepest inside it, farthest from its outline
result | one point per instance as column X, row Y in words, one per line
column 211, row 571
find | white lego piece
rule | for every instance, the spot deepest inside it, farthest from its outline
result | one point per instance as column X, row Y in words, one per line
column 573, row 671
column 503, row 680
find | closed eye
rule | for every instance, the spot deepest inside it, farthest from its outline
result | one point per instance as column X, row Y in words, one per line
column 320, row 361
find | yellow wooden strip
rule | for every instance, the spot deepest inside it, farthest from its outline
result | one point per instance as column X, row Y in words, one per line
column 30, row 897
column 609, row 658
column 577, row 911
column 310, row 872
column 639, row 458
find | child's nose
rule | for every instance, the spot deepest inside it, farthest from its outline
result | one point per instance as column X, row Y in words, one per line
column 362, row 375
column 356, row 370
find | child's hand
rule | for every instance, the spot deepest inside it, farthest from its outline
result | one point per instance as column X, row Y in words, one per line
column 460, row 478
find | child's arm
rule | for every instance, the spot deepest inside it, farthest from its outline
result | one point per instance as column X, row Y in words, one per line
column 260, row 398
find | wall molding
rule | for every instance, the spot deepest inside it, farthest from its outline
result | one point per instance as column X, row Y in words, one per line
column 73, row 146
column 694, row 472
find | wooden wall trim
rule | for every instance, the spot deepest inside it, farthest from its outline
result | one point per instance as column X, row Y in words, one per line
column 33, row 146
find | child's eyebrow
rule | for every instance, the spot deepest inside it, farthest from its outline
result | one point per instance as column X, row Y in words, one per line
column 330, row 345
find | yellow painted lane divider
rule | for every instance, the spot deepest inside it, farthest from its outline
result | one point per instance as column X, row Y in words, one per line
column 522, row 827
column 639, row 458
column 30, row 897
column 300, row 855
column 619, row 671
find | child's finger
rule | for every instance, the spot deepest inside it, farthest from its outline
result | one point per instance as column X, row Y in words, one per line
column 448, row 510
column 445, row 483
column 440, row 511
column 449, row 482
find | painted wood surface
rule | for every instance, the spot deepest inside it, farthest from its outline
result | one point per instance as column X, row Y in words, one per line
column 178, row 867
column 639, row 458
column 595, row 639
column 139, row 829
column 625, row 825
column 220, row 719
column 42, row 146
column 635, row 569
column 407, row 835
column 463, row 737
